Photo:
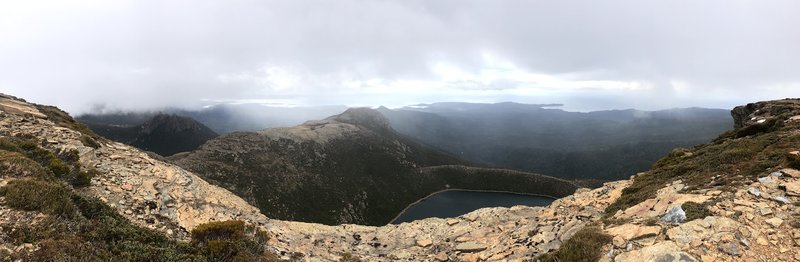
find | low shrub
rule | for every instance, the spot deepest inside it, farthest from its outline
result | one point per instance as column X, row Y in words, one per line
column 58, row 167
column 586, row 245
column 48, row 197
column 231, row 241
column 223, row 230
column 84, row 178
column 695, row 210
column 14, row 164
column 89, row 141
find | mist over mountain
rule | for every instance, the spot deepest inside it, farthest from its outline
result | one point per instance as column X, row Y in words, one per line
column 163, row 134
column 224, row 118
column 600, row 145
column 540, row 138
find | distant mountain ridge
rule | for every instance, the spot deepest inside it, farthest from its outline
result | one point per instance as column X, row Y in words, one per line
column 163, row 134
column 605, row 145
column 348, row 168
column 224, row 118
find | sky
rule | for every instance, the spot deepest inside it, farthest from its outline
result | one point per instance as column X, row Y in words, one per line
column 87, row 55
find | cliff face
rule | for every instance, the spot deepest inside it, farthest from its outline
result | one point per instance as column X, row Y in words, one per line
column 734, row 199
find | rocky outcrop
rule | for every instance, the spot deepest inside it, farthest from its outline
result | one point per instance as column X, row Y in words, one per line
column 740, row 114
column 757, row 113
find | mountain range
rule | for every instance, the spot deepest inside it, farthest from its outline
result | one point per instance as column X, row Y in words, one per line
column 598, row 146
column 604, row 145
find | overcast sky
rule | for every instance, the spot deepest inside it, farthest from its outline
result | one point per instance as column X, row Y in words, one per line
column 84, row 55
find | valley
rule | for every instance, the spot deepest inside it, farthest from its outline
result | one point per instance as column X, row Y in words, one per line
column 349, row 168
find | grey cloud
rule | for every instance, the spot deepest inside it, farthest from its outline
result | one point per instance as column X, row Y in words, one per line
column 149, row 54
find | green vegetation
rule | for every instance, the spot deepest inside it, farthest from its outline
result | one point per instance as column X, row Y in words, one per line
column 89, row 141
column 733, row 159
column 586, row 245
column 23, row 157
column 17, row 164
column 231, row 241
column 29, row 147
column 695, row 210
column 82, row 228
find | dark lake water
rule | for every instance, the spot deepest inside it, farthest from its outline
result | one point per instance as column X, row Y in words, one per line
column 454, row 203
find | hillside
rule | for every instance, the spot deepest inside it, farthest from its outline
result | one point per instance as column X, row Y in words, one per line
column 162, row 134
column 607, row 145
column 71, row 195
column 348, row 168
column 734, row 199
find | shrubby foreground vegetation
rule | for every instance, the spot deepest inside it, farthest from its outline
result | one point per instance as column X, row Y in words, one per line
column 78, row 227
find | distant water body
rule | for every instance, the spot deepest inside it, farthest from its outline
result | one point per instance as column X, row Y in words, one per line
column 453, row 203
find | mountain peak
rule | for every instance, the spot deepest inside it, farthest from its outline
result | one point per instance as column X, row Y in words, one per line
column 173, row 123
column 363, row 116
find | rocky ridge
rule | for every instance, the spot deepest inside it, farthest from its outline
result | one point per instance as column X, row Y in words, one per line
column 756, row 220
column 145, row 190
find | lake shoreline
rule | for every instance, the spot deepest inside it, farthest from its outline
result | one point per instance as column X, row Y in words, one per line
column 391, row 222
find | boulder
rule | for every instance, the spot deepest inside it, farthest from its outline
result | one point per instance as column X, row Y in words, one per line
column 729, row 248
column 775, row 222
column 674, row 215
column 792, row 188
column 470, row 247
column 424, row 242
